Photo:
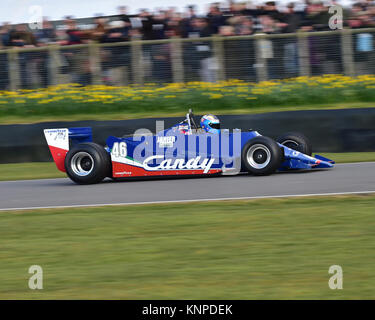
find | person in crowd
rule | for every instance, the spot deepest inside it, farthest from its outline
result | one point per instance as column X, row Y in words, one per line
column 186, row 24
column 159, row 25
column 20, row 36
column 271, row 10
column 317, row 16
column 122, row 13
column 4, row 43
column 5, row 35
column 147, row 20
column 201, row 51
column 77, row 63
column 116, row 57
column 215, row 18
column 98, row 33
column 291, row 19
column 73, row 33
column 292, row 23
column 174, row 25
column 45, row 37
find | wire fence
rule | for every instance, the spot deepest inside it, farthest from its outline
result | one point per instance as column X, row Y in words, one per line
column 251, row 58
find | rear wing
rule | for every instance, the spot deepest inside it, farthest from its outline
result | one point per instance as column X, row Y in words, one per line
column 60, row 140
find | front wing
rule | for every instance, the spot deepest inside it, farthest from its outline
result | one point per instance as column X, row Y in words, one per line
column 294, row 160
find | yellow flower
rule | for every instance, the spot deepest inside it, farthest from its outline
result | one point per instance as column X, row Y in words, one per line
column 216, row 96
column 36, row 95
column 43, row 101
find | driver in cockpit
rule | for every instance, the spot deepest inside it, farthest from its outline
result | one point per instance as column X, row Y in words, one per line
column 210, row 123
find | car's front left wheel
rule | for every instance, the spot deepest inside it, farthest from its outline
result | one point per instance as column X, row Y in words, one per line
column 87, row 163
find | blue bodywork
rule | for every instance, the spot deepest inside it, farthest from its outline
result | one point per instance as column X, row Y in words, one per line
column 178, row 143
column 80, row 135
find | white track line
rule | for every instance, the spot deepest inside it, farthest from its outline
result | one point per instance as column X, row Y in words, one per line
column 189, row 200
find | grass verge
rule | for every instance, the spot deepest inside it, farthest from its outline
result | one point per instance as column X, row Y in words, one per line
column 74, row 102
column 348, row 157
column 179, row 111
column 258, row 249
column 29, row 171
column 46, row 170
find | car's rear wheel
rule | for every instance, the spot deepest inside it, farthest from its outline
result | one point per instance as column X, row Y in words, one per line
column 87, row 163
column 261, row 156
column 296, row 141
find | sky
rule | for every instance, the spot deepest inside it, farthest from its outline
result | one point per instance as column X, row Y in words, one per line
column 17, row 11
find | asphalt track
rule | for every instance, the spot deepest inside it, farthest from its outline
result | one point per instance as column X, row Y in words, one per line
column 343, row 179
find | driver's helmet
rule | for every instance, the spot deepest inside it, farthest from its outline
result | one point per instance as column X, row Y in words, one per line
column 210, row 123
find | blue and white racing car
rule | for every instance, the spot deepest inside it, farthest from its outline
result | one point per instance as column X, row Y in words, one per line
column 183, row 150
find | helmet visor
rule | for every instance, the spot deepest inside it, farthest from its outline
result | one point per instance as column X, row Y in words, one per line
column 215, row 125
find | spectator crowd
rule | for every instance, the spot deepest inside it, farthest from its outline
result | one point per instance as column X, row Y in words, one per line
column 234, row 18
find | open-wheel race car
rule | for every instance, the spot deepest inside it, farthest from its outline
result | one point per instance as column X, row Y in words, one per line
column 185, row 149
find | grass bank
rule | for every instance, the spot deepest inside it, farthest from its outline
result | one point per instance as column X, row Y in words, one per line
column 29, row 171
column 45, row 170
column 99, row 102
column 263, row 249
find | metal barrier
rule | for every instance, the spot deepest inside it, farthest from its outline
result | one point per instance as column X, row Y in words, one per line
column 252, row 58
column 345, row 130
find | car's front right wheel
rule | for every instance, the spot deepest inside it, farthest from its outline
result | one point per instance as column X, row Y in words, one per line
column 261, row 156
